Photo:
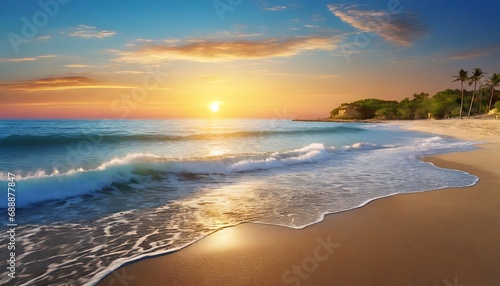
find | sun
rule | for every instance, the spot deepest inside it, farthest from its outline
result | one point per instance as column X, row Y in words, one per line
column 214, row 106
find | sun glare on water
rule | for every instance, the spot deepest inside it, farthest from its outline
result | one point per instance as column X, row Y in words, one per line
column 214, row 106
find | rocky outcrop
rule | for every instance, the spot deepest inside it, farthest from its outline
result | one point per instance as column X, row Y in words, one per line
column 346, row 111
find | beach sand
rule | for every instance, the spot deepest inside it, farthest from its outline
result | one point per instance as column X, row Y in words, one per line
column 444, row 237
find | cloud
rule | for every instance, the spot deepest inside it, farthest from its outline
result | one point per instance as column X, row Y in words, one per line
column 79, row 66
column 57, row 83
column 88, row 32
column 325, row 76
column 130, row 72
column 397, row 29
column 276, row 8
column 17, row 60
column 469, row 54
column 225, row 35
column 203, row 50
column 41, row 38
column 317, row 18
column 46, row 56
column 28, row 59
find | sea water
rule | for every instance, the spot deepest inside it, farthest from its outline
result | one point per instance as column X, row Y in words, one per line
column 92, row 195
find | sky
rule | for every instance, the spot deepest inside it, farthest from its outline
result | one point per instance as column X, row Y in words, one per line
column 123, row 59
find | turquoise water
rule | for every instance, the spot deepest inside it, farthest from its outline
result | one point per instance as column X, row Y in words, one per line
column 92, row 195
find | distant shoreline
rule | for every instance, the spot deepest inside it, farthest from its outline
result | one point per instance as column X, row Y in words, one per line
column 343, row 120
column 373, row 120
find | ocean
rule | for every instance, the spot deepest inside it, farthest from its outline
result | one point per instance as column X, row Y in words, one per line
column 92, row 195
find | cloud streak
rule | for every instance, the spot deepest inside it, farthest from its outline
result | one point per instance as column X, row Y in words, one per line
column 276, row 8
column 57, row 83
column 399, row 29
column 27, row 59
column 79, row 66
column 88, row 32
column 469, row 54
column 203, row 50
column 322, row 76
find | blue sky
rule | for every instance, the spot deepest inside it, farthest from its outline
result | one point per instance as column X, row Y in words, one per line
column 306, row 56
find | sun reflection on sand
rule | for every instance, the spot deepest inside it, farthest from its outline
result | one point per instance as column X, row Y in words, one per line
column 223, row 239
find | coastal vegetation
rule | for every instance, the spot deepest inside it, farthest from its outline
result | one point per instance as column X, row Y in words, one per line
column 444, row 104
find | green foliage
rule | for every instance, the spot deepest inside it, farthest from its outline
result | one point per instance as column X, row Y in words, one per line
column 444, row 102
column 416, row 108
column 404, row 110
column 369, row 107
column 497, row 106
column 455, row 112
column 387, row 112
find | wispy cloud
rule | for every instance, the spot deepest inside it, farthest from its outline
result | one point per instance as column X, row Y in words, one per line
column 276, row 8
column 130, row 72
column 41, row 38
column 79, row 66
column 27, row 59
column 220, row 35
column 88, row 32
column 317, row 18
column 57, row 83
column 46, row 56
column 313, row 27
column 325, row 76
column 399, row 29
column 229, row 35
column 469, row 54
column 203, row 50
column 16, row 60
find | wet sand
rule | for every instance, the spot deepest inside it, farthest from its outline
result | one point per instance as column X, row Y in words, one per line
column 443, row 237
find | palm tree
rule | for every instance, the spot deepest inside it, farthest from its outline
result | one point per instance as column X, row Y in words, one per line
column 493, row 81
column 462, row 76
column 476, row 76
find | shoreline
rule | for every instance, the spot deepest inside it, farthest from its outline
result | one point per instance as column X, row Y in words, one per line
column 342, row 120
column 187, row 265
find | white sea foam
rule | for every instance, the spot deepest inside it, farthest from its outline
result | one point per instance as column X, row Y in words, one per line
column 42, row 187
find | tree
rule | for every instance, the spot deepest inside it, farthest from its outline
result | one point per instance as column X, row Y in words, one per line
column 476, row 76
column 462, row 76
column 443, row 103
column 493, row 81
column 420, row 105
column 386, row 112
column 480, row 92
column 404, row 110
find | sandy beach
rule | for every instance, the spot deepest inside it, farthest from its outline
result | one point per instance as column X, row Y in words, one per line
column 443, row 237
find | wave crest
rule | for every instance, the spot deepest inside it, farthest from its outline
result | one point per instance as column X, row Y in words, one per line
column 52, row 140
